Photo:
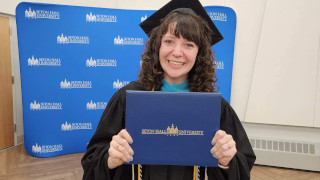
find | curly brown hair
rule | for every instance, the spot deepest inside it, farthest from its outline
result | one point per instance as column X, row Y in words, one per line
column 202, row 76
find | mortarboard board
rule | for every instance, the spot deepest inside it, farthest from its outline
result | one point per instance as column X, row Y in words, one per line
column 155, row 19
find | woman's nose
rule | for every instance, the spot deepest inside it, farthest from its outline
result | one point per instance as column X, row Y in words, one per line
column 177, row 51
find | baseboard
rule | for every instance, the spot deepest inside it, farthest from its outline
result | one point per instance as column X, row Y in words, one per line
column 20, row 139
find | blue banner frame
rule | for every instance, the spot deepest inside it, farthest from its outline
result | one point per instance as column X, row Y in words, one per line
column 73, row 59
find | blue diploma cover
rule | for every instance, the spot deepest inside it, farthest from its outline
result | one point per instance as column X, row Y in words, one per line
column 172, row 128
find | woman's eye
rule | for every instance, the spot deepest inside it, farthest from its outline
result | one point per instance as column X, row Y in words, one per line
column 189, row 45
column 168, row 41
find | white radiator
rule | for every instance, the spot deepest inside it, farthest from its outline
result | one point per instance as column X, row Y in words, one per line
column 286, row 153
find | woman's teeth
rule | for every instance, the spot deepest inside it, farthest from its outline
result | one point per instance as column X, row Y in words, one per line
column 175, row 63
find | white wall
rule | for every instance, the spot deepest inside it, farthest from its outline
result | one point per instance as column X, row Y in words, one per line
column 249, row 21
column 317, row 106
column 283, row 89
column 8, row 7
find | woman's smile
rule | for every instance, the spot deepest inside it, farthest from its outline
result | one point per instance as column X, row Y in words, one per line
column 176, row 63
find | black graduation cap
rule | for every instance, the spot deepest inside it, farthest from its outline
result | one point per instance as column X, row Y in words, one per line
column 155, row 19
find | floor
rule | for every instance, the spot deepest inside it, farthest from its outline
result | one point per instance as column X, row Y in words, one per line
column 16, row 164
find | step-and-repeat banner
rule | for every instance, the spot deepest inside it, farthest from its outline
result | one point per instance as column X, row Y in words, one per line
column 73, row 59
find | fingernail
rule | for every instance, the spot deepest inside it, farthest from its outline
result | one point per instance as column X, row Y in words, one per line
column 211, row 151
column 131, row 142
column 212, row 143
column 132, row 153
column 131, row 159
column 213, row 155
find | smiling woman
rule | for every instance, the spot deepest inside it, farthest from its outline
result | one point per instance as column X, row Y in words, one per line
column 178, row 58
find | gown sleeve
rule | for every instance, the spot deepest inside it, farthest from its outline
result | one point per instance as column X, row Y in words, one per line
column 94, row 161
column 241, row 164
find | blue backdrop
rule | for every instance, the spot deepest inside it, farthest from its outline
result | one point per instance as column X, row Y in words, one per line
column 73, row 59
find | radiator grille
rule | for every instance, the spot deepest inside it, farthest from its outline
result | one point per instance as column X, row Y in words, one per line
column 283, row 146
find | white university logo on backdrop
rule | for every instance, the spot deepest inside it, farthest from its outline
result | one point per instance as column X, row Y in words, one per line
column 127, row 41
column 63, row 39
column 46, row 148
column 41, row 14
column 218, row 16
column 143, row 18
column 100, row 18
column 75, row 126
column 75, row 84
column 96, row 105
column 119, row 84
column 44, row 61
column 100, row 62
column 45, row 106
column 219, row 64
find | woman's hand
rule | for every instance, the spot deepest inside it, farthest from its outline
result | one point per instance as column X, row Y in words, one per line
column 224, row 147
column 120, row 150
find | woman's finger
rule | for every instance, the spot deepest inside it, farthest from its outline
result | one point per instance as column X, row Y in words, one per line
column 120, row 148
column 226, row 149
column 124, row 134
column 115, row 154
column 221, row 142
column 219, row 134
column 126, row 140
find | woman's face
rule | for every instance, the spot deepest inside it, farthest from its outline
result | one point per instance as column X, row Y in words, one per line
column 177, row 57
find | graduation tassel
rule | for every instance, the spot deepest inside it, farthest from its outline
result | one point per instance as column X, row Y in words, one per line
column 196, row 173
column 132, row 171
column 139, row 172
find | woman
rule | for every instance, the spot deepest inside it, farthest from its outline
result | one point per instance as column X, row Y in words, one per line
column 178, row 57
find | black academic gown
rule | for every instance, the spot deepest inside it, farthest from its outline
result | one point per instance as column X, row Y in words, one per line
column 94, row 161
